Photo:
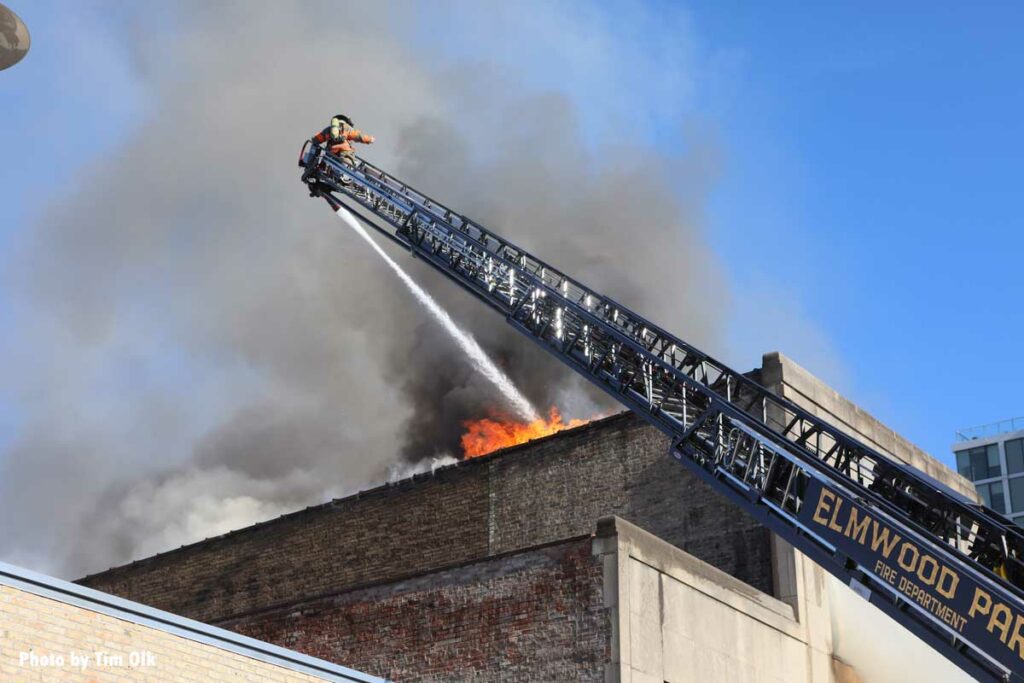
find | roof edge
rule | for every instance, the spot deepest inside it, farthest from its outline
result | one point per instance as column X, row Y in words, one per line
column 376, row 490
column 143, row 615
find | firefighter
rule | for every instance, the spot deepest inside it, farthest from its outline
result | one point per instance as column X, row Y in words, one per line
column 338, row 138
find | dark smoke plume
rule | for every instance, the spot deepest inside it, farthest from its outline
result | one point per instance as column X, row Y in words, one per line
column 210, row 347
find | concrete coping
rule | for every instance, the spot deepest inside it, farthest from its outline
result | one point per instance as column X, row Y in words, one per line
column 863, row 427
column 657, row 553
column 126, row 610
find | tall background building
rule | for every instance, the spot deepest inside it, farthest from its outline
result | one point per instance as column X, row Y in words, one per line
column 992, row 456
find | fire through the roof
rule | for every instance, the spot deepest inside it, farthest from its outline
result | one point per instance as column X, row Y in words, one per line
column 490, row 434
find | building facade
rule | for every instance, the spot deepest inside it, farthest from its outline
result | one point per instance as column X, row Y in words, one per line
column 589, row 555
column 992, row 456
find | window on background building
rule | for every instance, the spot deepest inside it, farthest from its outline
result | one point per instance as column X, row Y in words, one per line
column 963, row 463
column 1014, row 456
column 992, row 495
column 1017, row 494
column 979, row 463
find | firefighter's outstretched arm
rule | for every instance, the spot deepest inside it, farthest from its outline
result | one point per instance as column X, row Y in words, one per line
column 359, row 136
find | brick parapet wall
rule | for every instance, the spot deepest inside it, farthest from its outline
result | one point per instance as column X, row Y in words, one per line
column 561, row 486
column 390, row 531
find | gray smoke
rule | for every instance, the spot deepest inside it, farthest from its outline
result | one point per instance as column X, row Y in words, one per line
column 209, row 347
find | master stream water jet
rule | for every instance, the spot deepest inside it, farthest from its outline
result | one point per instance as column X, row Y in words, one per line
column 481, row 361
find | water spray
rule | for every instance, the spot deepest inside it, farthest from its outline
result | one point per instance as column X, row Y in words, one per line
column 481, row 361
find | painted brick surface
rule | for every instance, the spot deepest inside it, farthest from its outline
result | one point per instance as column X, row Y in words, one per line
column 526, row 496
column 533, row 615
column 47, row 628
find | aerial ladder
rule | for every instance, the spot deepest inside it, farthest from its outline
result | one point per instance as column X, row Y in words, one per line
column 945, row 567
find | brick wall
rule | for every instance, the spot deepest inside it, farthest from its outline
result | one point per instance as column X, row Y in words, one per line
column 388, row 532
column 532, row 615
column 559, row 487
column 537, row 493
column 48, row 629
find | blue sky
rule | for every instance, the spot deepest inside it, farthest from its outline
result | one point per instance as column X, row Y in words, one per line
column 870, row 163
column 874, row 164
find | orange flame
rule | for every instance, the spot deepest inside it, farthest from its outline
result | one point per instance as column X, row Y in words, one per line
column 488, row 434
